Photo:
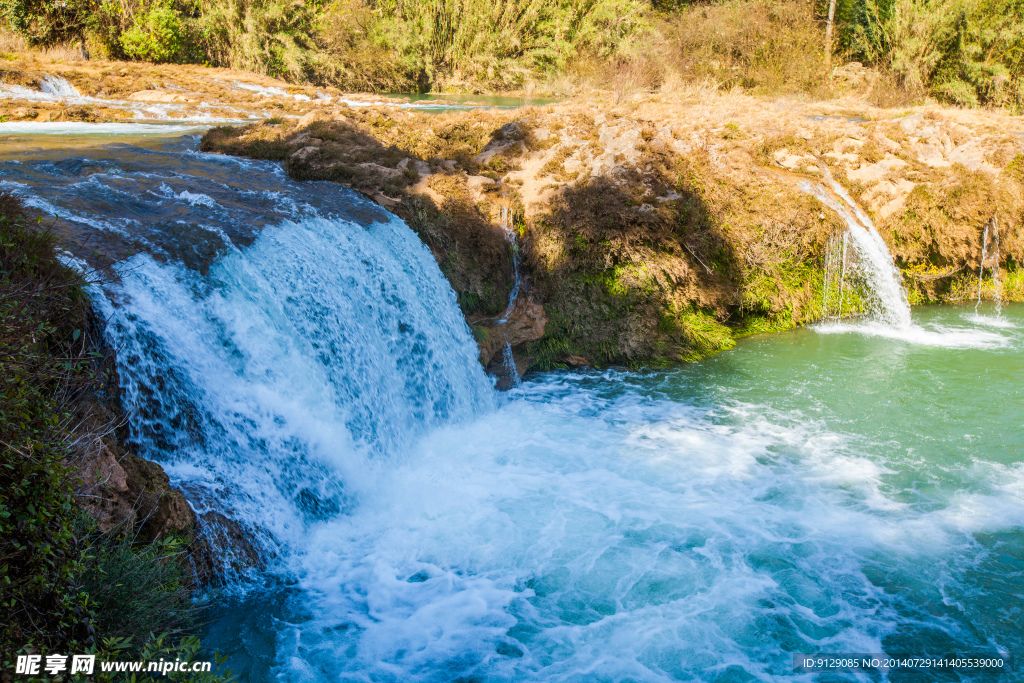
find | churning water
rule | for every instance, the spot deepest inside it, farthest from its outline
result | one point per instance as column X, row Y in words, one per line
column 294, row 358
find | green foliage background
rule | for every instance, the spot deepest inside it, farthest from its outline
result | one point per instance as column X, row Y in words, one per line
column 965, row 52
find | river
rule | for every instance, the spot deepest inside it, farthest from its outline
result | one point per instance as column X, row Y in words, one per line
column 292, row 356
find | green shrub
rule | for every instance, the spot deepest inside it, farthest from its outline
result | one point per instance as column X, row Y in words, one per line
column 158, row 37
column 46, row 22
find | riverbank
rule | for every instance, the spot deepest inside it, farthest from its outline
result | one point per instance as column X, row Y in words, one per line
column 652, row 228
column 661, row 228
column 98, row 552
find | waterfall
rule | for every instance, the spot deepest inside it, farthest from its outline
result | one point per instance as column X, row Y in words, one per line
column 873, row 260
column 994, row 268
column 276, row 384
column 509, row 361
column 58, row 87
column 508, row 358
column 510, row 234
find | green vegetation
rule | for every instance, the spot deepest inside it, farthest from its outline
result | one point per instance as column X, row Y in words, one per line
column 64, row 586
column 965, row 52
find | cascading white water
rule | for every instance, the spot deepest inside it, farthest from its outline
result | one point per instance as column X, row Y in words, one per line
column 275, row 382
column 873, row 258
column 994, row 268
column 58, row 87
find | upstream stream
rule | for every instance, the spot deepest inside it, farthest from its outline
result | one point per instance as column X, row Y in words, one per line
column 293, row 357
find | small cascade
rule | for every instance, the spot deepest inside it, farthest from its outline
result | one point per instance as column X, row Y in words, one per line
column 511, row 372
column 871, row 255
column 58, row 87
column 510, row 234
column 991, row 227
column 510, row 365
column 835, row 276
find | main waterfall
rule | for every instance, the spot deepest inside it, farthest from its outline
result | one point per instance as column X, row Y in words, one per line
column 275, row 381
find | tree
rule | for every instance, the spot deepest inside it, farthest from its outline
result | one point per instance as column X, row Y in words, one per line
column 47, row 22
column 828, row 35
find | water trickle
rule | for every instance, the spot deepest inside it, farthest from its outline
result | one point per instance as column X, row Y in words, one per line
column 873, row 261
column 509, row 361
column 58, row 87
column 993, row 227
column 833, row 289
column 510, row 234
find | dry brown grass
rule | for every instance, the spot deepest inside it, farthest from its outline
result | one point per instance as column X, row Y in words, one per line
column 11, row 42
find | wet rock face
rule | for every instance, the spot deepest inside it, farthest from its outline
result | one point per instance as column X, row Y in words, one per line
column 222, row 548
column 124, row 492
column 525, row 323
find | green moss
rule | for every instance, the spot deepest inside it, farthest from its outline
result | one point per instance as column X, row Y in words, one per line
column 704, row 334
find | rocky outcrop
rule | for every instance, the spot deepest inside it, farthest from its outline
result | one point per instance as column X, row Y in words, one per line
column 122, row 491
column 524, row 322
column 129, row 495
column 223, row 549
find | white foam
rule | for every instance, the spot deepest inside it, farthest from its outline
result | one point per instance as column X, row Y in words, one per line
column 58, row 87
column 935, row 335
column 622, row 541
column 997, row 321
column 192, row 198
column 83, row 128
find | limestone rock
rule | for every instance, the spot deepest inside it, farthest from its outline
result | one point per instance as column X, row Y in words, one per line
column 120, row 489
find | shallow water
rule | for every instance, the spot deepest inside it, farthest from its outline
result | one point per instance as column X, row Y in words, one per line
column 837, row 488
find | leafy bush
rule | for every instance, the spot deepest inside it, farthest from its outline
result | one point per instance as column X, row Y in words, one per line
column 42, row 314
column 46, row 22
column 159, row 36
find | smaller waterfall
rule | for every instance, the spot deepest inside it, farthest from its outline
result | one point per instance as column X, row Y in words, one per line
column 508, row 358
column 510, row 365
column 833, row 288
column 510, row 234
column 873, row 260
column 993, row 227
column 58, row 87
